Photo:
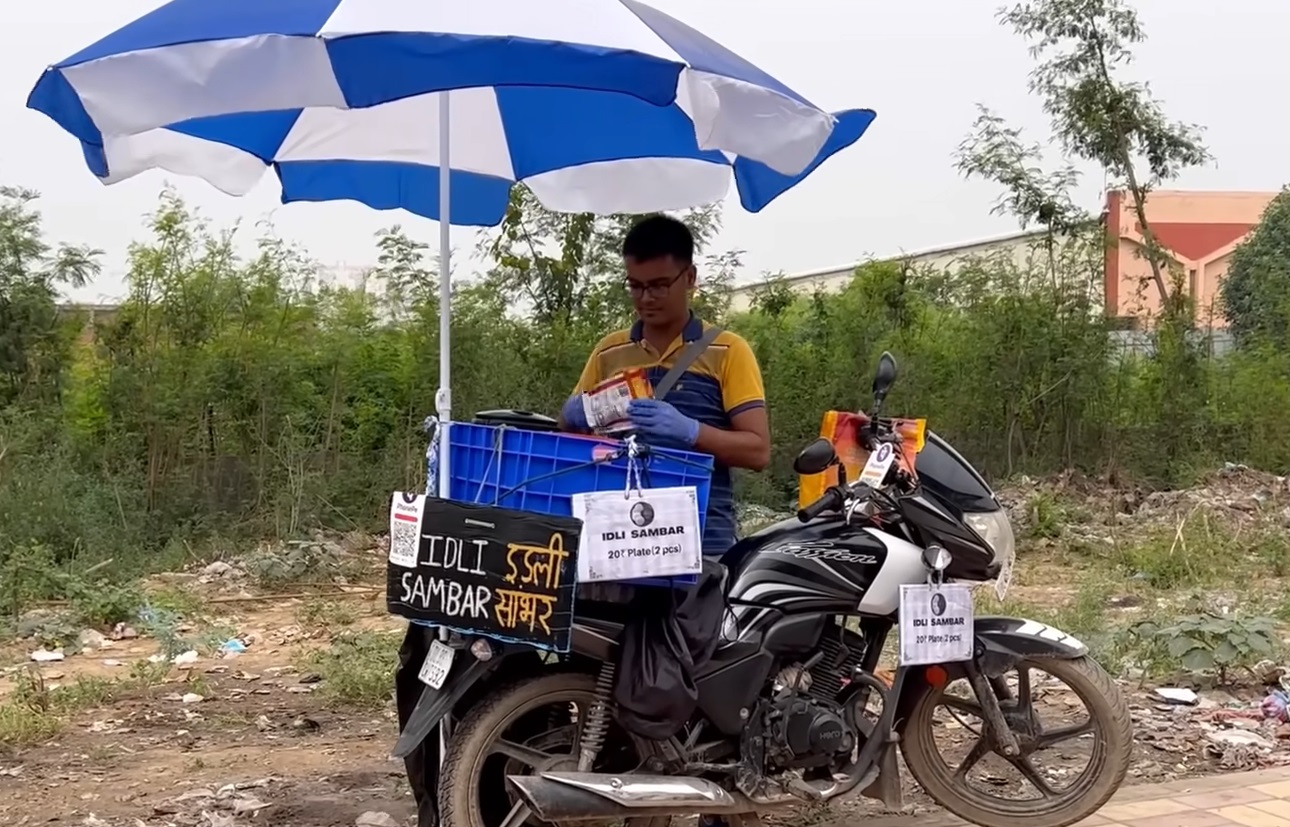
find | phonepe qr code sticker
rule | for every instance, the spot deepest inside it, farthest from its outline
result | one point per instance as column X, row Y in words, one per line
column 406, row 512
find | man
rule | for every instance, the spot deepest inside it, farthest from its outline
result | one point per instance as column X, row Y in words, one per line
column 717, row 407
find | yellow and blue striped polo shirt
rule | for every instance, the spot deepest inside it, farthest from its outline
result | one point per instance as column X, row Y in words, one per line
column 723, row 382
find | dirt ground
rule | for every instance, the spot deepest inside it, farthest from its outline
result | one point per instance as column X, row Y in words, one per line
column 260, row 738
column 260, row 745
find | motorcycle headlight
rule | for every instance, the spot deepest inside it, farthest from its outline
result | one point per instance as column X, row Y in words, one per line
column 995, row 529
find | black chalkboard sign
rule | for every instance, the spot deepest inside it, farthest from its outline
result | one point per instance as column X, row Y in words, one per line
column 492, row 571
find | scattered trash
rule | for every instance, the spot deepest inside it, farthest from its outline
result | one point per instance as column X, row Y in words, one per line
column 91, row 639
column 192, row 698
column 43, row 655
column 232, row 646
column 112, row 662
column 263, row 723
column 1176, row 695
column 192, row 795
column 243, row 804
column 217, row 569
column 1238, row 738
column 123, row 631
column 376, row 818
column 218, row 819
column 303, row 724
column 1276, row 706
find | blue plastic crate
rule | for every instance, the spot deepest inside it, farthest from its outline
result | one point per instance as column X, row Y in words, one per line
column 541, row 471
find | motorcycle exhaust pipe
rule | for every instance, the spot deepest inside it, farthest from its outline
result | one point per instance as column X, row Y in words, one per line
column 585, row 796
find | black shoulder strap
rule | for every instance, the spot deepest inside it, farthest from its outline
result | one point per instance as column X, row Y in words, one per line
column 692, row 351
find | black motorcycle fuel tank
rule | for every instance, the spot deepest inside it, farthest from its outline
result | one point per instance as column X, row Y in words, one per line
column 822, row 566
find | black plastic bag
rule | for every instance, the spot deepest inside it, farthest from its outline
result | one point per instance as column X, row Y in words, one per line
column 670, row 637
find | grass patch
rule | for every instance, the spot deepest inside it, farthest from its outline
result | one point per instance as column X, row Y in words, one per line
column 35, row 711
column 1088, row 615
column 1202, row 550
column 185, row 604
column 1045, row 516
column 326, row 614
column 357, row 668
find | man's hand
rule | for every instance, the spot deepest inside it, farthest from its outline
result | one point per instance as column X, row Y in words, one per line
column 662, row 423
column 573, row 416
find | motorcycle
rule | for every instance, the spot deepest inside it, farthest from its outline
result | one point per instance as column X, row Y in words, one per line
column 786, row 705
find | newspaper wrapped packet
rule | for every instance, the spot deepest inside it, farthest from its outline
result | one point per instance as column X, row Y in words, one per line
column 606, row 403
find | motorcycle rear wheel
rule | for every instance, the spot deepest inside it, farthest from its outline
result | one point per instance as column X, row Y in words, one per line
column 476, row 736
column 1111, row 724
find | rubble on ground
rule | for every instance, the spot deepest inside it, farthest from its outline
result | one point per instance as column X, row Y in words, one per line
column 1100, row 512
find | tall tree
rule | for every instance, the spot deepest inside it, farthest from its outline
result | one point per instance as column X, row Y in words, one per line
column 1256, row 292
column 566, row 264
column 996, row 152
column 1084, row 48
column 31, row 275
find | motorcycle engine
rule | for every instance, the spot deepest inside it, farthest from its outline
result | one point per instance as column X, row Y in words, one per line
column 804, row 730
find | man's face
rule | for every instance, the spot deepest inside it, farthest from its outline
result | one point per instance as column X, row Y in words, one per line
column 660, row 288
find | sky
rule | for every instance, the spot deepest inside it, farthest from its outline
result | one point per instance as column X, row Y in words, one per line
column 921, row 65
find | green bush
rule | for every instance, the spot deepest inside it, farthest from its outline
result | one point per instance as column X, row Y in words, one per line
column 239, row 398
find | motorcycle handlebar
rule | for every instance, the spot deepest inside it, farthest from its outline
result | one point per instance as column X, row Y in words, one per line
column 832, row 500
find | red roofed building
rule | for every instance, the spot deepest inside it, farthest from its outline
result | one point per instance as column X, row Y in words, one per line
column 1198, row 230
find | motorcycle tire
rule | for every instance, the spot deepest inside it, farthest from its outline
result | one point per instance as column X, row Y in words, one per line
column 1107, row 768
column 459, row 801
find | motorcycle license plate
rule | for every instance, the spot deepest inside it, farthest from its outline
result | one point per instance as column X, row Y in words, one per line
column 935, row 623
column 434, row 670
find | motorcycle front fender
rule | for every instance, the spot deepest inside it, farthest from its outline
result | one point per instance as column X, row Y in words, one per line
column 1002, row 641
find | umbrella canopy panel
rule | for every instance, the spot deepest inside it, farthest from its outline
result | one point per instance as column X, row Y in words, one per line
column 579, row 151
column 193, row 59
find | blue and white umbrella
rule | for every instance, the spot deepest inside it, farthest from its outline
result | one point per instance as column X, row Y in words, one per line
column 602, row 106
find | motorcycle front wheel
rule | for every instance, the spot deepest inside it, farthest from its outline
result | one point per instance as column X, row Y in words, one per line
column 1107, row 733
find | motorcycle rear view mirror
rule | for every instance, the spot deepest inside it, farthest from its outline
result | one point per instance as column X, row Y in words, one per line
column 885, row 376
column 815, row 458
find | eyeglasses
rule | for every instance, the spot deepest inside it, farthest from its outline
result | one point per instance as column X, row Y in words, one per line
column 655, row 289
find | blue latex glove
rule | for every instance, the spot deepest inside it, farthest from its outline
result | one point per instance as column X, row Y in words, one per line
column 574, row 414
column 660, row 422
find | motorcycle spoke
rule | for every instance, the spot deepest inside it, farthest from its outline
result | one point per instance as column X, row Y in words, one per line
column 1025, row 701
column 527, row 756
column 1056, row 736
column 518, row 815
column 974, row 756
column 1031, row 774
column 1001, row 689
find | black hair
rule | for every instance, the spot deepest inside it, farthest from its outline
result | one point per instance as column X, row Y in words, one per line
column 658, row 236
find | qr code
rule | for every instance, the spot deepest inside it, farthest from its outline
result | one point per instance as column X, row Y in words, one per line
column 404, row 539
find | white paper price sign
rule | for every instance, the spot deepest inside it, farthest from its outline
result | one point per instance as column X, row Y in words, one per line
column 649, row 533
column 935, row 623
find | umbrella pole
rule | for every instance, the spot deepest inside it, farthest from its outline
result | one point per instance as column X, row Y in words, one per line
column 443, row 399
